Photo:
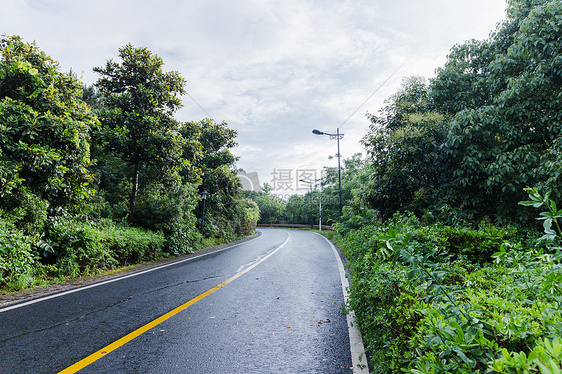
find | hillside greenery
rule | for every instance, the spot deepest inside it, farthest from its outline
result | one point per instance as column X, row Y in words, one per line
column 97, row 177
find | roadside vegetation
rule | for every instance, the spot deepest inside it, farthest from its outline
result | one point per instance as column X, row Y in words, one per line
column 99, row 177
column 453, row 238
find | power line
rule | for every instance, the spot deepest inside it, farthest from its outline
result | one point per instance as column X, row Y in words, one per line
column 369, row 98
column 203, row 109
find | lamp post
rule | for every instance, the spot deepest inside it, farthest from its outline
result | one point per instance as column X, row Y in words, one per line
column 320, row 211
column 204, row 196
column 337, row 136
column 311, row 218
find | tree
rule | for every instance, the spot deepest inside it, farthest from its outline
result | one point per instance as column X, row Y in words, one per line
column 298, row 209
column 44, row 129
column 140, row 100
column 407, row 158
column 217, row 163
column 504, row 98
column 272, row 207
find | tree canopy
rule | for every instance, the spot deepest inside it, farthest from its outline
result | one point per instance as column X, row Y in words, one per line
column 44, row 129
column 140, row 100
column 487, row 126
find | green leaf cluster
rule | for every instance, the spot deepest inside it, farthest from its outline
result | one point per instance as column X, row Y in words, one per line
column 79, row 245
column 486, row 126
column 428, row 304
column 44, row 129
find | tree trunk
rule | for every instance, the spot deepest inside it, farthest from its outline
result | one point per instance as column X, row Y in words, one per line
column 131, row 218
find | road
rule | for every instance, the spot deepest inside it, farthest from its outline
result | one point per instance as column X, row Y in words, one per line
column 268, row 305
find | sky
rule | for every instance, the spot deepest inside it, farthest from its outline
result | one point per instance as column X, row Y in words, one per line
column 274, row 70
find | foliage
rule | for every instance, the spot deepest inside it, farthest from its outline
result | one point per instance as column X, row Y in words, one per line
column 29, row 215
column 503, row 94
column 271, row 207
column 354, row 176
column 51, row 222
column 139, row 100
column 80, row 245
column 431, row 298
column 550, row 216
column 239, row 220
column 545, row 358
column 217, row 163
column 485, row 127
column 44, row 129
column 249, row 214
column 160, row 208
column 297, row 209
column 406, row 153
column 184, row 238
column 17, row 260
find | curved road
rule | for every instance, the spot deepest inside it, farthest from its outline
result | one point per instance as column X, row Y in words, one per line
column 268, row 305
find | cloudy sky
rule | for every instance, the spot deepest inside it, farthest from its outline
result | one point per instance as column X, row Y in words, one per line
column 272, row 69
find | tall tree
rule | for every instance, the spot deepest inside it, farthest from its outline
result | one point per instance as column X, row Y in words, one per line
column 217, row 162
column 140, row 100
column 504, row 96
column 407, row 157
column 44, row 128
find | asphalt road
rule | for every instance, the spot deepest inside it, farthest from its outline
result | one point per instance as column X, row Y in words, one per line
column 268, row 305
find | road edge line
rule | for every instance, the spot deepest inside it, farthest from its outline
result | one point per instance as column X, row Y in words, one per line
column 116, row 279
column 355, row 339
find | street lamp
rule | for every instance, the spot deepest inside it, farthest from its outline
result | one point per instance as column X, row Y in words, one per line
column 311, row 218
column 204, row 196
column 337, row 136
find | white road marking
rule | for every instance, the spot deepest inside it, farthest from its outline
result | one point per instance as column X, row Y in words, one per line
column 358, row 357
column 38, row 300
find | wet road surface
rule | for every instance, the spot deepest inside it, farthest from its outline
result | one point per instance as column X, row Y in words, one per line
column 269, row 305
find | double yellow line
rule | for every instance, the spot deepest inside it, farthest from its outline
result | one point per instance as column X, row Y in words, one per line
column 127, row 338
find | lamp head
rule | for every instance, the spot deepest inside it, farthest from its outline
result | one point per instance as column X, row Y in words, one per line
column 317, row 132
column 204, row 195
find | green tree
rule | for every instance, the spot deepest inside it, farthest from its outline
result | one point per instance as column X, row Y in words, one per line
column 407, row 154
column 44, row 129
column 218, row 164
column 272, row 207
column 504, row 96
column 140, row 100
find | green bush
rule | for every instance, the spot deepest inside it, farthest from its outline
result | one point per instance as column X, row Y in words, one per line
column 184, row 238
column 16, row 256
column 238, row 220
column 82, row 246
column 435, row 299
column 247, row 216
column 26, row 211
column 160, row 208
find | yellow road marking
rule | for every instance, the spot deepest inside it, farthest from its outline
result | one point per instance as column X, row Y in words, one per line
column 127, row 338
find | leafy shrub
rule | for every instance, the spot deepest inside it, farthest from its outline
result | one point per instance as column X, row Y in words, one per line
column 434, row 300
column 16, row 256
column 81, row 246
column 545, row 358
column 247, row 216
column 238, row 220
column 25, row 210
column 184, row 238
column 159, row 208
column 76, row 247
